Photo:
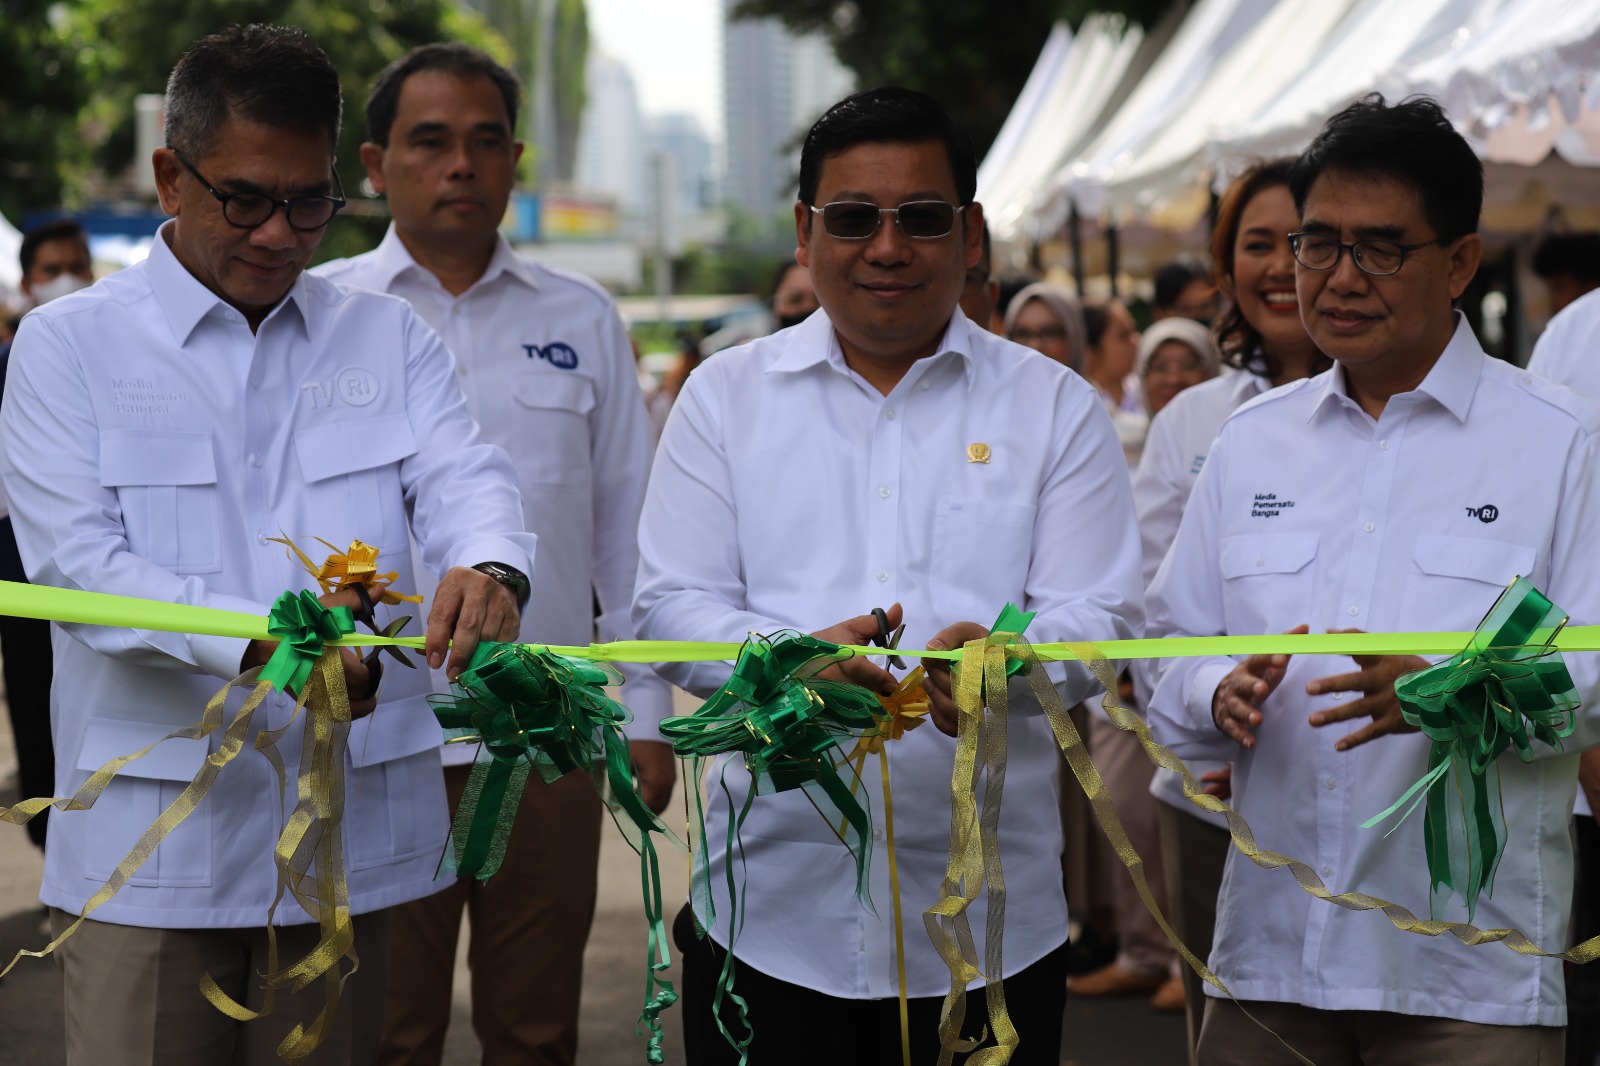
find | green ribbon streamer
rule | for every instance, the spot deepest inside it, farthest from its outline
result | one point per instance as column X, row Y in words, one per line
column 1507, row 688
column 302, row 625
column 539, row 712
column 788, row 724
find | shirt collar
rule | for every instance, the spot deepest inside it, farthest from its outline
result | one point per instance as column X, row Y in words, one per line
column 1452, row 382
column 815, row 341
column 393, row 258
column 185, row 301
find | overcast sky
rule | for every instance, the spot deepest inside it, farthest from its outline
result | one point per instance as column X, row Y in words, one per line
column 673, row 48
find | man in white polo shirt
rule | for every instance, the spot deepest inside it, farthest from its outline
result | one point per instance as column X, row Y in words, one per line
column 548, row 374
column 160, row 428
column 887, row 453
column 1401, row 490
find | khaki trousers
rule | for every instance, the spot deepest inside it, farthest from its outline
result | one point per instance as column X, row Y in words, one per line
column 529, row 924
column 132, row 995
column 1142, row 946
column 1193, row 852
column 1367, row 1038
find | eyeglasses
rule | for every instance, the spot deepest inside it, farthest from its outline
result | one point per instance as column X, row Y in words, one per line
column 1315, row 251
column 247, row 210
column 1024, row 335
column 922, row 219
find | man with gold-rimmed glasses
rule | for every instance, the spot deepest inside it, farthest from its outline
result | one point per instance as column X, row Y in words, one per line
column 159, row 429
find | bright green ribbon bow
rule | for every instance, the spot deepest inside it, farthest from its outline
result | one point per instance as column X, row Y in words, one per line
column 545, row 712
column 788, row 724
column 1507, row 688
column 302, row 625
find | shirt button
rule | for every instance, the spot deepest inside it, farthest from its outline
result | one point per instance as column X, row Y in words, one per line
column 255, row 460
column 1331, row 783
column 1369, row 527
column 261, row 538
column 877, row 832
column 882, row 575
column 889, row 414
column 1384, row 445
column 1261, row 560
column 926, row 385
column 1527, row 380
column 885, row 492
column 1327, row 871
column 1354, row 611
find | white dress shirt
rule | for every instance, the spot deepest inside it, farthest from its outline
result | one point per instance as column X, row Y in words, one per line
column 1568, row 353
column 788, row 493
column 548, row 373
column 1310, row 511
column 153, row 444
column 1174, row 451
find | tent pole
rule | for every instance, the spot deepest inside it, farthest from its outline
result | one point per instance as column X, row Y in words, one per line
column 1075, row 239
column 1112, row 253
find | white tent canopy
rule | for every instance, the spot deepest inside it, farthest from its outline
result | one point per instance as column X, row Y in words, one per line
column 1064, row 96
column 1257, row 68
column 1247, row 79
column 1210, row 31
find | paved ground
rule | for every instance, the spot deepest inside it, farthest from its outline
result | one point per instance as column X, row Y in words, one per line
column 1124, row 1033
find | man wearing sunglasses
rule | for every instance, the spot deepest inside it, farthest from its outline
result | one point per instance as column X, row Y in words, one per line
column 885, row 451
column 1399, row 491
column 159, row 428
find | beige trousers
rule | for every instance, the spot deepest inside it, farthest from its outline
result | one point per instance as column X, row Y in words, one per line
column 1127, row 770
column 132, row 995
column 1367, row 1038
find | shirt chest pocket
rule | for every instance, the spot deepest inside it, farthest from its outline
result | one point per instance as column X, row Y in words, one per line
column 166, row 485
column 549, row 434
column 1453, row 581
column 1267, row 581
column 352, row 470
column 981, row 553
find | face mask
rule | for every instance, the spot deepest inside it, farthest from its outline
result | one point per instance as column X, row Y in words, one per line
column 57, row 287
column 785, row 321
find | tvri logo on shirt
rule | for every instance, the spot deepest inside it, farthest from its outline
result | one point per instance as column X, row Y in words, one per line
column 1485, row 514
column 558, row 355
column 353, row 385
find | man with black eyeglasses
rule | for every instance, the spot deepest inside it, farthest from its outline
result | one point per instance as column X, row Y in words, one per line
column 1400, row 491
column 885, row 453
column 159, row 428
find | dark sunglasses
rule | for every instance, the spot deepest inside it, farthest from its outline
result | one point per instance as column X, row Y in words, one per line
column 922, row 219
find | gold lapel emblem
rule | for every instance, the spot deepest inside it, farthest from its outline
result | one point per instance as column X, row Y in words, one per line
column 978, row 453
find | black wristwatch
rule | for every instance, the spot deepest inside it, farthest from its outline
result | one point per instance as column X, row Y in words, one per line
column 510, row 577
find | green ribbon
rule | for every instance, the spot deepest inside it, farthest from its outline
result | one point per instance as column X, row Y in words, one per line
column 1507, row 688
column 302, row 625
column 788, row 724
column 545, row 713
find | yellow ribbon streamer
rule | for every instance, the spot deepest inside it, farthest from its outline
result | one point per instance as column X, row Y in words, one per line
column 358, row 566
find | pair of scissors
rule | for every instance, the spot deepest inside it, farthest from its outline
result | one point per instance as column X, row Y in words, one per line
column 886, row 639
column 367, row 615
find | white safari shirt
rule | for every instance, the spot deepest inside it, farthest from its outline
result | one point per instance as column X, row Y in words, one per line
column 1174, row 451
column 788, row 493
column 153, row 444
column 1310, row 511
column 549, row 376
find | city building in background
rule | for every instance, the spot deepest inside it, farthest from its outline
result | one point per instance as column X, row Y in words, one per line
column 775, row 85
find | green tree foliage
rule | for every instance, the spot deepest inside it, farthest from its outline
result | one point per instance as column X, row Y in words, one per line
column 41, row 90
column 113, row 50
column 971, row 55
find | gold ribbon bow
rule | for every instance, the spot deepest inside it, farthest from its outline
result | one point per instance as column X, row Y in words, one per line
column 358, row 566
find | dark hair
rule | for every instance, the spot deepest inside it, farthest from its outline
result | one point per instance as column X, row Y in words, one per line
column 271, row 75
column 888, row 115
column 777, row 279
column 1172, row 279
column 1096, row 319
column 986, row 260
column 1411, row 142
column 1010, row 285
column 1574, row 254
column 450, row 57
column 1237, row 339
column 61, row 229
